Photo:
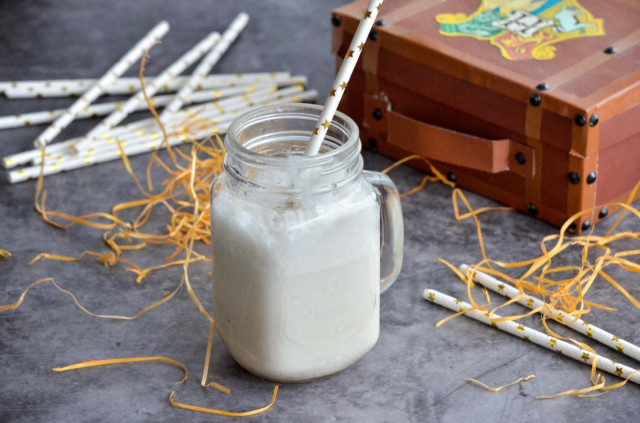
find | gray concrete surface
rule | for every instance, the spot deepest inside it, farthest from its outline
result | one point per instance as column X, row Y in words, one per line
column 414, row 374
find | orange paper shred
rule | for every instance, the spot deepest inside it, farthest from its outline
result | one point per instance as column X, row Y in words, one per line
column 95, row 363
column 561, row 287
column 566, row 293
column 499, row 388
column 222, row 412
column 184, row 193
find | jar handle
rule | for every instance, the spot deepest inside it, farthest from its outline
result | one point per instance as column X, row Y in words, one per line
column 391, row 227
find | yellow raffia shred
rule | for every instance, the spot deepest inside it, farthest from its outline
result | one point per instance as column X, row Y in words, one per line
column 567, row 294
column 598, row 384
column 437, row 176
column 95, row 363
column 18, row 303
column 4, row 253
column 219, row 387
column 222, row 412
column 540, row 278
column 499, row 388
column 185, row 195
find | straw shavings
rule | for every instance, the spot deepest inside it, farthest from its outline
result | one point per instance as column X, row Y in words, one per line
column 437, row 176
column 567, row 294
column 185, row 195
column 94, row 363
column 221, row 412
column 544, row 280
column 4, row 253
column 18, row 303
column 499, row 388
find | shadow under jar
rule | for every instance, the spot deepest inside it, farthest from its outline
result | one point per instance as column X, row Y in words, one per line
column 297, row 257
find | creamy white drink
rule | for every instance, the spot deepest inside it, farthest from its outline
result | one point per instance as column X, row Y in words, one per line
column 297, row 251
column 296, row 287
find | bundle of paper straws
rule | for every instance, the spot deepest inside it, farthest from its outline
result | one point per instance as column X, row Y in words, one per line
column 215, row 100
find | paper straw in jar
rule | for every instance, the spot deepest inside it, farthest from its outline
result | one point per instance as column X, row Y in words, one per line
column 179, row 66
column 342, row 78
column 578, row 325
column 71, row 162
column 205, row 66
column 528, row 334
column 125, row 86
column 95, row 91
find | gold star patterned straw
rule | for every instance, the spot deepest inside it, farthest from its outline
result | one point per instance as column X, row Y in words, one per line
column 245, row 81
column 125, row 86
column 245, row 97
column 578, row 325
column 68, row 87
column 212, row 115
column 144, row 145
column 95, row 91
column 202, row 70
column 37, row 118
column 179, row 66
column 344, row 73
column 528, row 334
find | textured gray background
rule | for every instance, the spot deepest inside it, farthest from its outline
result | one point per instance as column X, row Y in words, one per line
column 415, row 372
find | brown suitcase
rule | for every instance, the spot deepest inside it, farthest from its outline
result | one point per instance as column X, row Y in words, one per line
column 533, row 103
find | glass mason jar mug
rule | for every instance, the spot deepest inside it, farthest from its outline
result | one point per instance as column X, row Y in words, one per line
column 299, row 244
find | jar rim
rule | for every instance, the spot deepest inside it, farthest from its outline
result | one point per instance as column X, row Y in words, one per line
column 342, row 120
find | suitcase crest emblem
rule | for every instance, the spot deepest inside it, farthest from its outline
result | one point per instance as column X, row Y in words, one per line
column 523, row 29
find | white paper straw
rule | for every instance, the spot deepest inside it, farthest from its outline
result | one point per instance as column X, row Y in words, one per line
column 95, row 91
column 249, row 92
column 70, row 162
column 204, row 67
column 342, row 78
column 579, row 325
column 223, row 93
column 213, row 115
column 147, row 128
column 37, row 118
column 260, row 94
column 227, row 101
column 65, row 87
column 528, row 334
column 211, row 118
column 230, row 104
column 242, row 93
column 124, row 86
column 179, row 66
column 216, row 125
column 95, row 110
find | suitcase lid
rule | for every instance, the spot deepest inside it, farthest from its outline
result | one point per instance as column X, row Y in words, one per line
column 576, row 56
